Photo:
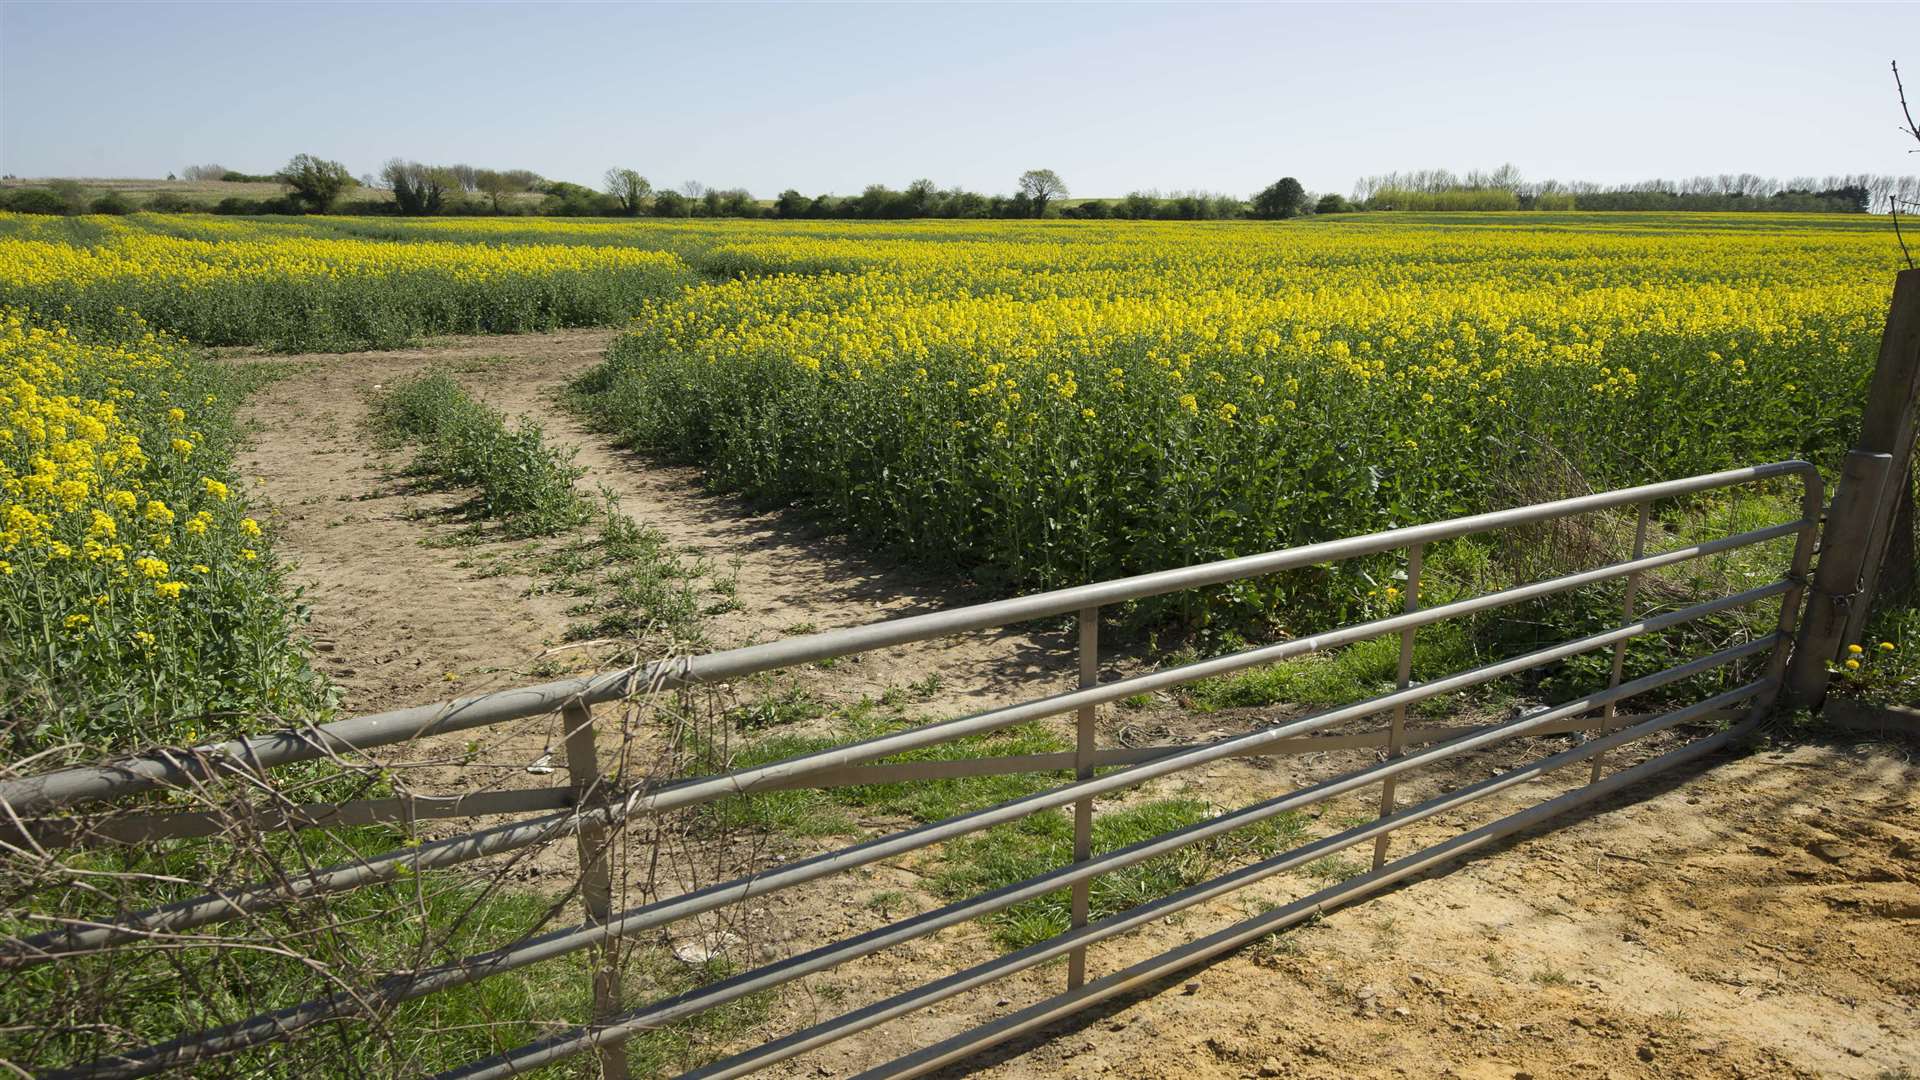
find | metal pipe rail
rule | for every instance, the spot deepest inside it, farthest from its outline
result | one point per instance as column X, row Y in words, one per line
column 387, row 867
column 799, row 771
column 269, row 1026
column 566, row 1044
column 1046, row 1012
column 1033, row 955
column 586, row 817
column 69, row 786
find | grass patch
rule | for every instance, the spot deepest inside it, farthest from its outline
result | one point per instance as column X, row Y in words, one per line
column 93, row 1006
column 825, row 813
column 1359, row 671
column 1044, row 841
column 522, row 482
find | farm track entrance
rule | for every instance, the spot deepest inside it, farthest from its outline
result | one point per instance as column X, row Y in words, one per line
column 1258, row 1044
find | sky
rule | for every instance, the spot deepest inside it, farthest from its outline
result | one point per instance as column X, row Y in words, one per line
column 833, row 97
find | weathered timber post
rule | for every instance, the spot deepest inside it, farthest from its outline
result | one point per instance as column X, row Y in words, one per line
column 596, row 879
column 1868, row 504
column 1836, row 581
column 1887, row 426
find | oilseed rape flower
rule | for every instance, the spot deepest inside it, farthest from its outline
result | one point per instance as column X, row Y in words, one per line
column 93, row 523
column 1258, row 388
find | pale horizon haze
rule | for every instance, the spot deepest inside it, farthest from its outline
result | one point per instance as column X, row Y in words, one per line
column 833, row 97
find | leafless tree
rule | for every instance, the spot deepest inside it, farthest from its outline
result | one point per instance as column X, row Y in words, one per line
column 630, row 188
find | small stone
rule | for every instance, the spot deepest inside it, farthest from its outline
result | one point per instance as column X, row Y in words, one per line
column 1190, row 989
column 1645, row 1053
column 1003, row 1003
column 1270, row 1067
column 1403, row 1011
column 1832, row 851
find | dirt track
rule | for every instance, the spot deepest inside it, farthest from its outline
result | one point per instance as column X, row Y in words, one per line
column 1758, row 919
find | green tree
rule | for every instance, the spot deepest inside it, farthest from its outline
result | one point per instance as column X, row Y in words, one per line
column 316, row 182
column 497, row 184
column 1284, row 198
column 791, row 204
column 1042, row 186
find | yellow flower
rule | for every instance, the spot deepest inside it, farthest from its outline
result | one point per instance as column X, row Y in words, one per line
column 214, row 488
column 250, row 526
column 150, row 566
column 1855, row 650
column 1853, row 665
column 1886, row 646
column 183, row 447
column 144, row 638
column 158, row 512
column 170, row 590
column 249, row 554
column 76, row 621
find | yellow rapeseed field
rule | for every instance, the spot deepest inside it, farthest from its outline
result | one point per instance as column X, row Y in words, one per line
column 137, row 598
column 1055, row 404
column 1051, row 402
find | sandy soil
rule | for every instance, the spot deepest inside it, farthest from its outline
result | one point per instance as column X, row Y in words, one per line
column 1756, row 918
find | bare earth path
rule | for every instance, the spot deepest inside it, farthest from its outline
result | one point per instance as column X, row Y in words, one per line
column 1757, row 919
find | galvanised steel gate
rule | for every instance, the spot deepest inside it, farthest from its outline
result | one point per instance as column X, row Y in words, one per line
column 593, row 808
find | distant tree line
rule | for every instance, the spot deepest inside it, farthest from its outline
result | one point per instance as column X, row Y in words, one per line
column 1505, row 189
column 315, row 185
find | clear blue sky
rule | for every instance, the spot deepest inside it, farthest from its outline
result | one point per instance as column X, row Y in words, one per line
column 833, row 97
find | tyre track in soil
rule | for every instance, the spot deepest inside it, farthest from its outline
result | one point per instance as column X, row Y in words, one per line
column 1711, row 930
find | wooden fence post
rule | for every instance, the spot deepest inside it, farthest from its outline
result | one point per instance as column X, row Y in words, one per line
column 1868, row 504
column 1887, row 427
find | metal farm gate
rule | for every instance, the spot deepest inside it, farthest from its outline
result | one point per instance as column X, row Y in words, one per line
column 594, row 807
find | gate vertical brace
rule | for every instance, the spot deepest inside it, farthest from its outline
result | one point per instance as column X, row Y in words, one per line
column 596, row 879
column 1620, row 649
column 1083, row 770
column 1887, row 426
column 1397, row 734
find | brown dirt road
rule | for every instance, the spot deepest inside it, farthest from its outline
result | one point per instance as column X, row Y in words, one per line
column 1757, row 919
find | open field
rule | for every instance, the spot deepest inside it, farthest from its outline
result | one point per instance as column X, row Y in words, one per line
column 705, row 434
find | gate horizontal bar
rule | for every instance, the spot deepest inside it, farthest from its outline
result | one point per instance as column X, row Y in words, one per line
column 194, row 824
column 66, row 787
column 1038, row 953
column 579, row 1040
column 1223, row 941
column 269, row 1026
